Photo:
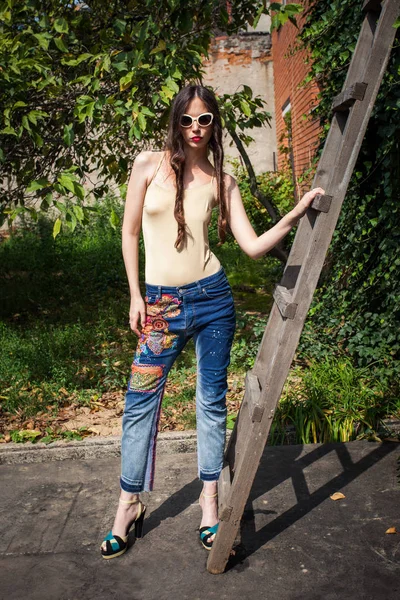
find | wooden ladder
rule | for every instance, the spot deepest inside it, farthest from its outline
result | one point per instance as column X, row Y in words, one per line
column 293, row 296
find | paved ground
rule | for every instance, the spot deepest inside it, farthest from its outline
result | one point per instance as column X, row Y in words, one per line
column 298, row 543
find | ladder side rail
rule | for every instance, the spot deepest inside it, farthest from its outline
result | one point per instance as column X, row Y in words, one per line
column 358, row 63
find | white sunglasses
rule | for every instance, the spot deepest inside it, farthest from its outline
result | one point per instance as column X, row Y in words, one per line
column 204, row 120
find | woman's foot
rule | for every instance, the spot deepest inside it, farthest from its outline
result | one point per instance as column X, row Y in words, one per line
column 209, row 506
column 126, row 514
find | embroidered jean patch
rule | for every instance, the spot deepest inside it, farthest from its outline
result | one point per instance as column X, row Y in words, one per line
column 145, row 378
column 155, row 335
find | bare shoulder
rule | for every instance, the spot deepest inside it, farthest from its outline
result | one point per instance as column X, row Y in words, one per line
column 144, row 165
column 147, row 158
column 230, row 185
column 230, row 182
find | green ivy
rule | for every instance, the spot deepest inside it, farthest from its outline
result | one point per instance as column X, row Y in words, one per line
column 355, row 309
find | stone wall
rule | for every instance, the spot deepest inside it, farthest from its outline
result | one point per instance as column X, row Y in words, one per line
column 240, row 59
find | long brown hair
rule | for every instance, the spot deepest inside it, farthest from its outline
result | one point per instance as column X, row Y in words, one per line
column 175, row 147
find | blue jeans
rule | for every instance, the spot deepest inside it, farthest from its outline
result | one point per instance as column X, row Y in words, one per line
column 205, row 311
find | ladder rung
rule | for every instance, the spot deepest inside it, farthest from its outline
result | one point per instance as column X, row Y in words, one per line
column 322, row 202
column 224, row 489
column 372, row 5
column 283, row 299
column 345, row 99
column 252, row 395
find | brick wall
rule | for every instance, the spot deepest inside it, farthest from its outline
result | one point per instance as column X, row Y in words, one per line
column 290, row 69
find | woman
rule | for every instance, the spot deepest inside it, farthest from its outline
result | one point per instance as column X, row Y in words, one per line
column 171, row 195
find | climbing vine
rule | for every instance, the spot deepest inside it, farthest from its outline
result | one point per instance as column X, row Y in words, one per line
column 356, row 307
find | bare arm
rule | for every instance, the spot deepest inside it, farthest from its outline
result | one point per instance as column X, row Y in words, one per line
column 253, row 245
column 131, row 227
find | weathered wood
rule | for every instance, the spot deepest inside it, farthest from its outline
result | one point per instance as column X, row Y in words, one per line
column 238, row 440
column 322, row 202
column 252, row 395
column 302, row 271
column 284, row 302
column 224, row 489
column 348, row 96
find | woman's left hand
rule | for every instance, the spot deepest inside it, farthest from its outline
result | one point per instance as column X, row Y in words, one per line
column 302, row 206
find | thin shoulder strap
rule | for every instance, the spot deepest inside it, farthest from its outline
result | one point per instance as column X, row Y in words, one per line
column 158, row 166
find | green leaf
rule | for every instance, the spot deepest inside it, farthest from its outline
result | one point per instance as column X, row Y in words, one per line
column 71, row 220
column 19, row 104
column 79, row 212
column 68, row 136
column 60, row 44
column 43, row 39
column 67, row 182
column 248, row 91
column 126, row 81
column 84, row 108
column 142, row 121
column 147, row 111
column 114, row 219
column 79, row 190
column 34, row 115
column 161, row 46
column 45, row 204
column 38, row 140
column 61, row 25
column 9, row 131
column 245, row 108
column 73, row 62
column 25, row 123
column 61, row 207
column 57, row 227
column 38, row 184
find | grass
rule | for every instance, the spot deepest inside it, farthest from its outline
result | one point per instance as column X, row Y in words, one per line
column 334, row 401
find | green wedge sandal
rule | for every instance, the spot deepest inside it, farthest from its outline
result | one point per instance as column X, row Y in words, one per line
column 207, row 532
column 116, row 545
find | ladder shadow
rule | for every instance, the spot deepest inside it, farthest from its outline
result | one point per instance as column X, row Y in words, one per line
column 174, row 505
column 268, row 478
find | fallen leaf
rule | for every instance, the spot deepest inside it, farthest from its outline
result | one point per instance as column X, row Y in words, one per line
column 391, row 530
column 337, row 496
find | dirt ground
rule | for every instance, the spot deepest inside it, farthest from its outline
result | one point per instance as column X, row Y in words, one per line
column 103, row 416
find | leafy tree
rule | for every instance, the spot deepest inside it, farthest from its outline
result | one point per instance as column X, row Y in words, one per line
column 86, row 86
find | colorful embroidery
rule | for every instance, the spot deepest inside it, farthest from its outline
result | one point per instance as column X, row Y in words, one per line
column 155, row 335
column 145, row 378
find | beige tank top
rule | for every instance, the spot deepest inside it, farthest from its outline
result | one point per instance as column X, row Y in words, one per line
column 164, row 264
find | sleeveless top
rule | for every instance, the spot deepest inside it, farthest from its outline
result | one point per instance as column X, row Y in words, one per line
column 165, row 264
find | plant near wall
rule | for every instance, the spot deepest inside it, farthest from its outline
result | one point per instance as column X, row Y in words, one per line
column 355, row 310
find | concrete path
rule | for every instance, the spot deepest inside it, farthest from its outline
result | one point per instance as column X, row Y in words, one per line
column 297, row 543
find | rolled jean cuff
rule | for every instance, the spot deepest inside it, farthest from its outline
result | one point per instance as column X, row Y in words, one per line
column 209, row 476
column 134, row 487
